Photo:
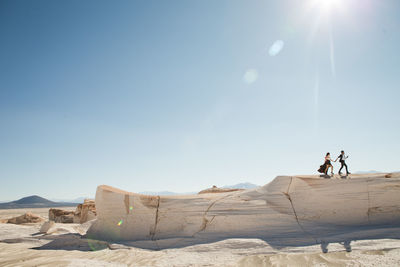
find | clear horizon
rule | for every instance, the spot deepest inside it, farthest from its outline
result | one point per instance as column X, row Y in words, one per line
column 76, row 198
column 182, row 95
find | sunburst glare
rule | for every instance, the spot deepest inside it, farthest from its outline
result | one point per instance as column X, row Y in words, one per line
column 327, row 5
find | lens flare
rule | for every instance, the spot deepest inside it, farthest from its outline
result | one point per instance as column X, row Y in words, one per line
column 332, row 56
column 276, row 48
column 96, row 245
column 250, row 76
column 316, row 102
column 130, row 208
column 119, row 223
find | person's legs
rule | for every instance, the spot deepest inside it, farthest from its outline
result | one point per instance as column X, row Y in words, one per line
column 327, row 169
column 345, row 165
column 341, row 167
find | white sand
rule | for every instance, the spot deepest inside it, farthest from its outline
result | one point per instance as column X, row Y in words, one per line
column 65, row 247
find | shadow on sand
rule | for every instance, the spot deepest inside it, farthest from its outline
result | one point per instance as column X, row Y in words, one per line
column 61, row 242
column 321, row 236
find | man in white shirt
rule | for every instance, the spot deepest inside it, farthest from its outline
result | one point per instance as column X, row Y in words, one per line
column 342, row 157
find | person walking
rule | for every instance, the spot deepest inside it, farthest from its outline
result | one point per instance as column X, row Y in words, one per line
column 327, row 164
column 342, row 159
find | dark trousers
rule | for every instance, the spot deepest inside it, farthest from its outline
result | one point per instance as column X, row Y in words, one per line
column 343, row 165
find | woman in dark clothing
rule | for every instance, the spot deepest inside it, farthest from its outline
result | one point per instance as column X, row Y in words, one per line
column 325, row 167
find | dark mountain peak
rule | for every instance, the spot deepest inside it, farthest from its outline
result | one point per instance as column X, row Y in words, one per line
column 33, row 200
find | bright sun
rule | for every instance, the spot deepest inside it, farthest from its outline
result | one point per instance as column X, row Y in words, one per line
column 327, row 5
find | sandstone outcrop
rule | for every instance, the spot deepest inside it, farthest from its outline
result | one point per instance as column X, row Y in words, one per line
column 307, row 208
column 25, row 218
column 61, row 216
column 85, row 212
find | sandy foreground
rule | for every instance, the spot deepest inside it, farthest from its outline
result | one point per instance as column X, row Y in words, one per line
column 21, row 245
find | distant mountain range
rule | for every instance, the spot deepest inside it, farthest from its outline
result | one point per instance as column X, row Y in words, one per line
column 40, row 202
column 75, row 200
column 242, row 186
column 169, row 193
column 34, row 202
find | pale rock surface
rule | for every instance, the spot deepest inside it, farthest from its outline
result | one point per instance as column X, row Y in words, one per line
column 46, row 227
column 216, row 189
column 290, row 210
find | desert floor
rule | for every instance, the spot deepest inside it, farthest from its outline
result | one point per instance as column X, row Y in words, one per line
column 22, row 245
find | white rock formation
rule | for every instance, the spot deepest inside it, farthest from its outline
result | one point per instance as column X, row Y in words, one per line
column 289, row 208
column 46, row 227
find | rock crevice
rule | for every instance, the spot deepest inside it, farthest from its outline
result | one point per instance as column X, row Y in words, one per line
column 153, row 231
column 205, row 221
column 287, row 194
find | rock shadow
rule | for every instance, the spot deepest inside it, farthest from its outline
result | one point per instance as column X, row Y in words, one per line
column 340, row 235
column 66, row 242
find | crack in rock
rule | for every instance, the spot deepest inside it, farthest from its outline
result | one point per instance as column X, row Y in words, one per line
column 369, row 205
column 294, row 211
column 126, row 202
column 153, row 231
column 205, row 221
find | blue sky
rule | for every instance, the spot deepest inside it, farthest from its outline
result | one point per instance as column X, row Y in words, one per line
column 183, row 95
